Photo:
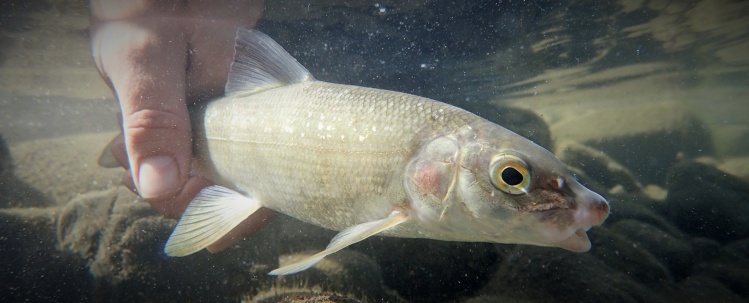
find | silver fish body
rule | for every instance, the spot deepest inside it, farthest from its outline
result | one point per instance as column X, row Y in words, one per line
column 329, row 154
column 366, row 161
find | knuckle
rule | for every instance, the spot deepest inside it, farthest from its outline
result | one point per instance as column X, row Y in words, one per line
column 150, row 125
column 154, row 119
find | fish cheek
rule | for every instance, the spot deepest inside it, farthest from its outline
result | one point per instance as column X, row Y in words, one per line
column 559, row 219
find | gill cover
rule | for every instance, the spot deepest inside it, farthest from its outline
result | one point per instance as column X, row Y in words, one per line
column 432, row 176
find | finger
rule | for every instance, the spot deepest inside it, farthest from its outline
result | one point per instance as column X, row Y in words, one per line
column 146, row 67
column 249, row 226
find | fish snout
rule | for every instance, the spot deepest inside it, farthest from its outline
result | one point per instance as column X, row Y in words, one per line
column 602, row 206
column 594, row 208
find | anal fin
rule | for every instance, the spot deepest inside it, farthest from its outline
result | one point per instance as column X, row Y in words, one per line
column 211, row 215
column 343, row 239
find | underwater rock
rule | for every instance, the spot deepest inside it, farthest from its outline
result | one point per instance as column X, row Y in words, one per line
column 638, row 232
column 423, row 270
column 621, row 267
column 110, row 229
column 673, row 251
column 707, row 202
column 121, row 240
column 538, row 274
column 346, row 276
column 32, row 268
column 698, row 289
column 706, row 249
column 623, row 255
column 737, row 166
column 644, row 137
column 306, row 297
column 730, row 269
column 641, row 208
column 737, row 259
column 418, row 270
column 636, row 257
column 593, row 165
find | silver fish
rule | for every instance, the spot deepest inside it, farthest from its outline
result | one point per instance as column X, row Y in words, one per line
column 367, row 161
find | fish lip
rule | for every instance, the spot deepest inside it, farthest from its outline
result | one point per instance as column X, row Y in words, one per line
column 564, row 220
column 573, row 238
column 577, row 241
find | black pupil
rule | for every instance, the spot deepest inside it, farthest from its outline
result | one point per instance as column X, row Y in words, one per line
column 512, row 176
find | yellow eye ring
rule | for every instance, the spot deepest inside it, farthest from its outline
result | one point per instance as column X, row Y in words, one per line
column 510, row 174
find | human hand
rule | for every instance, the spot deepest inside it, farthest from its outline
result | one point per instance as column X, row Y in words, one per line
column 158, row 56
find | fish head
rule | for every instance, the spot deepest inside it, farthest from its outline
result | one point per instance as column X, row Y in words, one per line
column 488, row 184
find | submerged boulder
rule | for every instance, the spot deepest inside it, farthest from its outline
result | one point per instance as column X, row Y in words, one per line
column 707, row 202
column 33, row 269
column 645, row 138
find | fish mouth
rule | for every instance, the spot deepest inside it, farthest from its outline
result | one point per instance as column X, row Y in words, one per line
column 562, row 220
column 567, row 228
column 577, row 241
column 591, row 210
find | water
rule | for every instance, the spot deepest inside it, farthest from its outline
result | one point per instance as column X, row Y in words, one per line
column 646, row 101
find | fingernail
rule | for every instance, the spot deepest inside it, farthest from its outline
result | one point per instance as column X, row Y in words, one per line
column 157, row 176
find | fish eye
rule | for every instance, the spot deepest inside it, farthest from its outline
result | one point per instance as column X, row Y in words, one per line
column 510, row 174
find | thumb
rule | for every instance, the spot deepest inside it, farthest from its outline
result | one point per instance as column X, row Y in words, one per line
column 146, row 69
column 159, row 151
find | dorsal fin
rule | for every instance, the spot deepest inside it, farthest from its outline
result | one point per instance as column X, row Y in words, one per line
column 261, row 64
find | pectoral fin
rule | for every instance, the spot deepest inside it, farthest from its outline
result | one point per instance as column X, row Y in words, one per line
column 211, row 215
column 343, row 239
